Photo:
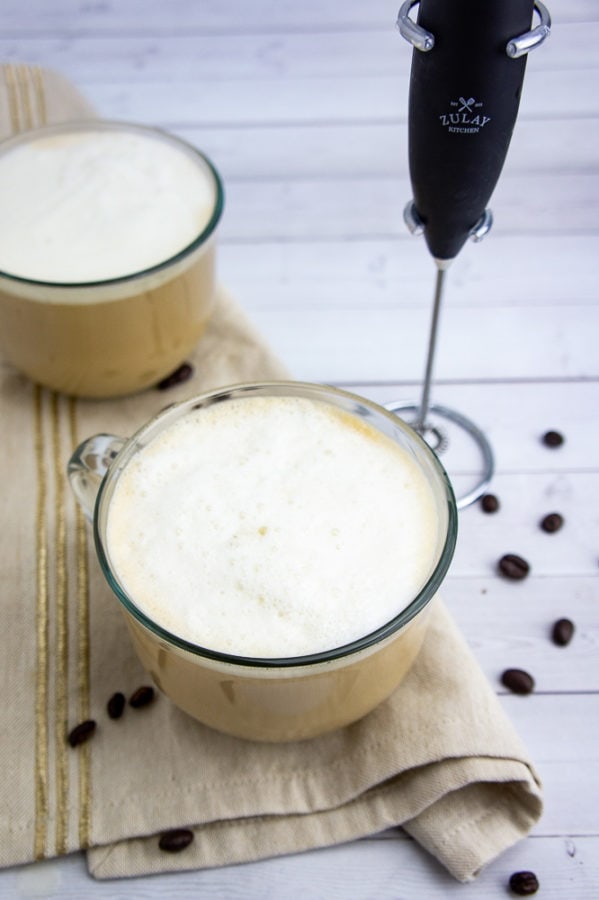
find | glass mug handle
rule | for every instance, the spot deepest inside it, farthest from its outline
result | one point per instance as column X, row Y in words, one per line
column 89, row 464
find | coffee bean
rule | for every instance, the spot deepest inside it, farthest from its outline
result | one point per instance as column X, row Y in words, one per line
column 179, row 376
column 518, row 681
column 175, row 840
column 524, row 883
column 489, row 503
column 142, row 696
column 552, row 522
column 553, row 439
column 513, row 566
column 562, row 633
column 81, row 733
column 116, row 705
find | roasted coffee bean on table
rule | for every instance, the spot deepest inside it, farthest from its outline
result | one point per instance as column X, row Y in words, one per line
column 524, row 884
column 489, row 503
column 563, row 632
column 553, row 439
column 552, row 522
column 116, row 705
column 175, row 840
column 179, row 376
column 142, row 696
column 81, row 733
column 513, row 566
column 518, row 681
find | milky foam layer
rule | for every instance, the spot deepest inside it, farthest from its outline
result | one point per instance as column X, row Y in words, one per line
column 272, row 526
column 93, row 205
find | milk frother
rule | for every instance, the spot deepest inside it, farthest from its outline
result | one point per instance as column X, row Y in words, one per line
column 468, row 67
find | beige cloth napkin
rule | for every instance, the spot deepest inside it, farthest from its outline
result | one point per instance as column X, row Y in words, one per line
column 439, row 757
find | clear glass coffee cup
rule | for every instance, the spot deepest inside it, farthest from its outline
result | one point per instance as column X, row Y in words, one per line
column 116, row 333
column 271, row 698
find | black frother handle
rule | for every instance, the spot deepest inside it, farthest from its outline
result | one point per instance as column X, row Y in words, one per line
column 464, row 98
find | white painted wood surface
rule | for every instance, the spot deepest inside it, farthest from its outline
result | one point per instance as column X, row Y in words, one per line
column 303, row 107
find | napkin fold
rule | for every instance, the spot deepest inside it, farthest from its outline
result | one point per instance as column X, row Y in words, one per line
column 439, row 757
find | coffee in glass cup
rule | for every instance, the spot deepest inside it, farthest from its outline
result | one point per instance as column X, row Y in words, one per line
column 107, row 258
column 275, row 548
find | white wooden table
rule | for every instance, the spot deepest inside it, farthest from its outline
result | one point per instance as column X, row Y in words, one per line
column 303, row 107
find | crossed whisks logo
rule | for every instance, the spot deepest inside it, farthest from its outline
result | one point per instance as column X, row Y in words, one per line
column 465, row 119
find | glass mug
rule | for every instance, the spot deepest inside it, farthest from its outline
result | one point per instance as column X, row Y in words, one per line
column 279, row 698
column 113, row 334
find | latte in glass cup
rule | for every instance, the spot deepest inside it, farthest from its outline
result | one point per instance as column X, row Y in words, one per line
column 275, row 549
column 107, row 257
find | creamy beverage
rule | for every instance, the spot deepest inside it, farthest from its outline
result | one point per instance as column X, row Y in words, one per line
column 272, row 527
column 275, row 548
column 106, row 255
